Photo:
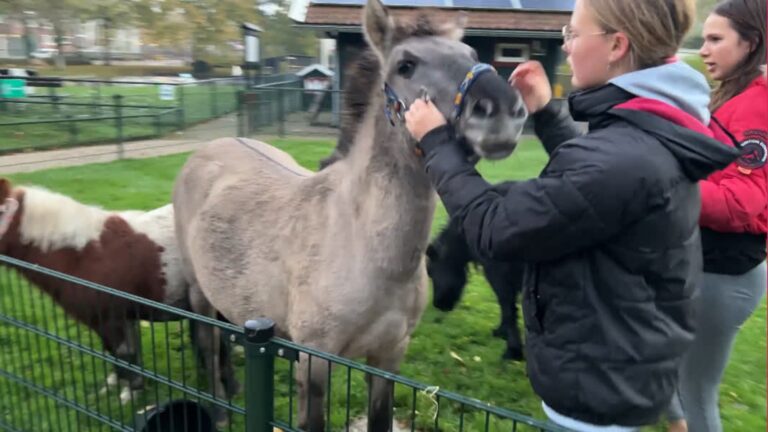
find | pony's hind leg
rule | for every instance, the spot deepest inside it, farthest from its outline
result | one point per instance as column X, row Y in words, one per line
column 207, row 339
column 380, row 408
column 228, row 380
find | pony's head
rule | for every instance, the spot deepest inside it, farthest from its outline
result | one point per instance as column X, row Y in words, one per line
column 484, row 110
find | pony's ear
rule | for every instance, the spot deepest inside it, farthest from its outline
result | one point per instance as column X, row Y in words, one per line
column 455, row 30
column 378, row 27
column 5, row 188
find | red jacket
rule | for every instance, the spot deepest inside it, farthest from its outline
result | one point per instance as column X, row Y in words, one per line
column 736, row 198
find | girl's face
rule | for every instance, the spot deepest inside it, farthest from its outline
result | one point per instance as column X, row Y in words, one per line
column 588, row 47
column 723, row 49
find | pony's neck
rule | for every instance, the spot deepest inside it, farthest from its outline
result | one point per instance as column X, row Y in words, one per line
column 393, row 201
column 382, row 152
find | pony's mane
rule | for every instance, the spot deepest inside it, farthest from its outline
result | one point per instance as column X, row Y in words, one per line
column 53, row 221
column 357, row 90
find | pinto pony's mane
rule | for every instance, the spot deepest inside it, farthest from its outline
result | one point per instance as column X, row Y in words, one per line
column 52, row 221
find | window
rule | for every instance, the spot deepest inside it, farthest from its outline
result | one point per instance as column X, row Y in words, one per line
column 512, row 53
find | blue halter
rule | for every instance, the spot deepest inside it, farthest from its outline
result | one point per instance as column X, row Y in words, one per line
column 395, row 108
column 472, row 76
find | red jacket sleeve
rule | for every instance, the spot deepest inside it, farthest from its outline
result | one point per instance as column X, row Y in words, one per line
column 733, row 198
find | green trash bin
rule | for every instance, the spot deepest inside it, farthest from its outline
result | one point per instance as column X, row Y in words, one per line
column 13, row 88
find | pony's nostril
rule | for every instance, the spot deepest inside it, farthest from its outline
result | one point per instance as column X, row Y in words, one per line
column 518, row 109
column 484, row 108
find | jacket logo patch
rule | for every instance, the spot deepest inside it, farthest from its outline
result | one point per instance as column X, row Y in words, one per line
column 754, row 153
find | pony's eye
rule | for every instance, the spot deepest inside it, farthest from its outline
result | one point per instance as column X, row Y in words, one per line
column 405, row 68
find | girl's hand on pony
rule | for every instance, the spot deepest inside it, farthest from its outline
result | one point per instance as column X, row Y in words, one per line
column 422, row 117
column 531, row 80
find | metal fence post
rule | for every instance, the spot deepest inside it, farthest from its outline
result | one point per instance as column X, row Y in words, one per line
column 259, row 375
column 180, row 112
column 158, row 128
column 240, row 94
column 72, row 129
column 212, row 92
column 119, row 124
column 280, row 113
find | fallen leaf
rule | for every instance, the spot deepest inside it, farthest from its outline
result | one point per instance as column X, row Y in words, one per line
column 458, row 358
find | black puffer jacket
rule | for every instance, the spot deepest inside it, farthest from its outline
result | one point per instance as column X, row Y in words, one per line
column 610, row 233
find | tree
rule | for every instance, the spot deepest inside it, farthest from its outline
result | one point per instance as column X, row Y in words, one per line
column 204, row 25
column 60, row 14
column 113, row 14
column 209, row 26
column 21, row 10
column 282, row 37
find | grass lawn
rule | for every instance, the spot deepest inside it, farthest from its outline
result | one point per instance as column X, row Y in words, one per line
column 199, row 102
column 454, row 351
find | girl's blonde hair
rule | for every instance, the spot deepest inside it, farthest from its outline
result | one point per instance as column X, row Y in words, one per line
column 655, row 28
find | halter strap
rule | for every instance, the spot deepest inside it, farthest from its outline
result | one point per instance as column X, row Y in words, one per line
column 469, row 80
column 395, row 108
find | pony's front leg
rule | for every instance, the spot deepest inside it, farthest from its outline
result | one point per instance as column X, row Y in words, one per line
column 311, row 379
column 506, row 281
column 380, row 408
column 121, row 339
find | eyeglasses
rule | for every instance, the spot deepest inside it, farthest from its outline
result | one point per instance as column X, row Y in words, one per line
column 569, row 36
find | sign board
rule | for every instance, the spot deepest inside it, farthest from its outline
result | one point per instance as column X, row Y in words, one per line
column 13, row 88
column 167, row 92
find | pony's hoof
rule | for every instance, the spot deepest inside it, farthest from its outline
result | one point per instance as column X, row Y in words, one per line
column 112, row 380
column 513, row 354
column 127, row 395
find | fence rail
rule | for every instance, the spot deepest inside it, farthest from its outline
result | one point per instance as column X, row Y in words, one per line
column 55, row 371
column 33, row 122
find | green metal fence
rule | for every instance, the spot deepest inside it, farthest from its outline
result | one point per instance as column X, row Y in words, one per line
column 85, row 111
column 287, row 108
column 54, row 371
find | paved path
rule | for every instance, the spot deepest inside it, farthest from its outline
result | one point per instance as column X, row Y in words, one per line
column 179, row 142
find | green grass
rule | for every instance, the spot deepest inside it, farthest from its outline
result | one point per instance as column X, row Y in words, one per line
column 432, row 356
column 199, row 102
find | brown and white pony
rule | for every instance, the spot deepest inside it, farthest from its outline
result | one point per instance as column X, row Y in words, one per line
column 131, row 251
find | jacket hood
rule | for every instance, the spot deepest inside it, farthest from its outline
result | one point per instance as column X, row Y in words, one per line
column 669, row 102
column 674, row 83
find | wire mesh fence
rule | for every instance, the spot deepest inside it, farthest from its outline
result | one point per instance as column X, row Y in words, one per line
column 77, row 356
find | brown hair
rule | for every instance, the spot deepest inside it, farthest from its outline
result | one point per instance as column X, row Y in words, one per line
column 747, row 18
column 655, row 28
